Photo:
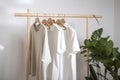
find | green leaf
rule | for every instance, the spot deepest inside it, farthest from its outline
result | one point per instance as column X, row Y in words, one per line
column 108, row 47
column 87, row 43
column 97, row 34
column 93, row 75
column 117, row 63
column 103, row 41
column 116, row 53
column 106, row 61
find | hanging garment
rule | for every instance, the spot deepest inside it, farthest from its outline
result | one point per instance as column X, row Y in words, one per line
column 52, row 39
column 52, row 52
column 69, row 60
column 61, row 50
column 36, row 48
column 46, row 57
column 40, row 53
column 73, row 44
column 57, row 46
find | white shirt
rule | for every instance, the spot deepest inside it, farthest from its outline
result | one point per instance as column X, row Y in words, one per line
column 53, row 70
column 57, row 47
column 72, row 48
column 46, row 56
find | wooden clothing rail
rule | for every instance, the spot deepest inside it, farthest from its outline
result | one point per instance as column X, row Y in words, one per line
column 28, row 15
column 55, row 15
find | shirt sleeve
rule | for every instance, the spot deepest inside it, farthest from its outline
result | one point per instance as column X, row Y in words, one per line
column 73, row 43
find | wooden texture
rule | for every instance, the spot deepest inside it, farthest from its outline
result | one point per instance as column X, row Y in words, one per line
column 87, row 37
column 57, row 15
column 28, row 46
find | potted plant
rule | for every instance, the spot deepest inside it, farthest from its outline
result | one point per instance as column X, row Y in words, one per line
column 102, row 50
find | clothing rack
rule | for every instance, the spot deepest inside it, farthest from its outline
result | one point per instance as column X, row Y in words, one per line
column 28, row 15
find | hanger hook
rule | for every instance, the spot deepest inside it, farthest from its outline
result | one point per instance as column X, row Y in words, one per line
column 96, row 19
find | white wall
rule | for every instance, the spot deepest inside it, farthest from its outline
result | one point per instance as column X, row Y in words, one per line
column 13, row 29
column 117, row 23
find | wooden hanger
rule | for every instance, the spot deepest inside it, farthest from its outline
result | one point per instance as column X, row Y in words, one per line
column 59, row 22
column 50, row 21
column 45, row 22
column 62, row 21
column 37, row 21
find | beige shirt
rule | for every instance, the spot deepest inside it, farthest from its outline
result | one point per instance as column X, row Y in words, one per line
column 36, row 49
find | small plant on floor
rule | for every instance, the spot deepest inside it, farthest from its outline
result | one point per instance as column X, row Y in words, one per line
column 101, row 50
